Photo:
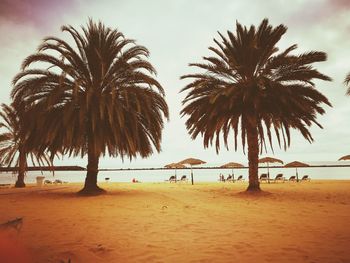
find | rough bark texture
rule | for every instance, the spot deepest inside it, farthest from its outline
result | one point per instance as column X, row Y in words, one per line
column 22, row 166
column 90, row 186
column 253, row 156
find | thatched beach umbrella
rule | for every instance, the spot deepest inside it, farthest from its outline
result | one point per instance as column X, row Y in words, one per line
column 269, row 160
column 174, row 166
column 191, row 162
column 232, row 165
column 344, row 158
column 296, row 164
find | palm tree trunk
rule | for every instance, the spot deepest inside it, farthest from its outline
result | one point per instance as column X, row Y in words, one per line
column 253, row 157
column 90, row 186
column 22, row 165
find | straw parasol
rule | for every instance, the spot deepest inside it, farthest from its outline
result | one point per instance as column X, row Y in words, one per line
column 232, row 165
column 344, row 158
column 174, row 166
column 269, row 160
column 296, row 164
column 191, row 162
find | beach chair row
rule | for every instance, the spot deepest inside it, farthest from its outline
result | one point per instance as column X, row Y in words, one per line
column 281, row 178
column 57, row 181
column 262, row 178
column 172, row 179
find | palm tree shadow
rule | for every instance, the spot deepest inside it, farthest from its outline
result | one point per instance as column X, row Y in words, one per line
column 75, row 194
column 254, row 194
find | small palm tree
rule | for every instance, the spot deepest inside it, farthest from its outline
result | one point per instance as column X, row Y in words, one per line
column 14, row 145
column 347, row 82
column 251, row 89
column 98, row 97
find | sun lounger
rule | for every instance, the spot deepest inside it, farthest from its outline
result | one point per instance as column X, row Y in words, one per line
column 57, row 181
column 183, row 178
column 171, row 179
column 229, row 178
column 305, row 178
column 47, row 182
column 240, row 178
column 263, row 177
column 279, row 178
column 292, row 178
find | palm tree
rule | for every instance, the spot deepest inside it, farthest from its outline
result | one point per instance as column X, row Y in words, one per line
column 98, row 97
column 251, row 89
column 14, row 145
column 347, row 82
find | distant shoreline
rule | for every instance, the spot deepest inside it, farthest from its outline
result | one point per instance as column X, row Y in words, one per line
column 45, row 168
column 218, row 167
column 79, row 168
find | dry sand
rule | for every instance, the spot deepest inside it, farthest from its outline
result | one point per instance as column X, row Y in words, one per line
column 297, row 222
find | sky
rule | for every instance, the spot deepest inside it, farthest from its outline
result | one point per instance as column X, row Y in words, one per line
column 179, row 32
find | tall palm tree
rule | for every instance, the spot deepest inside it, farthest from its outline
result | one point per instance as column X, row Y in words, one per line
column 14, row 144
column 97, row 97
column 248, row 87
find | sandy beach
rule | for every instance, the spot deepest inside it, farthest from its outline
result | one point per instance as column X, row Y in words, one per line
column 163, row 222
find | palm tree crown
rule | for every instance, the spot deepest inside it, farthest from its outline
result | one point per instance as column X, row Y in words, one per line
column 250, row 88
column 10, row 140
column 97, row 98
column 347, row 82
column 14, row 145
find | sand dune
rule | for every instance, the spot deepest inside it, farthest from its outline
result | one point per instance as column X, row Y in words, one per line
column 304, row 222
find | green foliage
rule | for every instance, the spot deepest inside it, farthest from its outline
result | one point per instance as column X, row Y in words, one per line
column 13, row 141
column 248, row 83
column 99, row 93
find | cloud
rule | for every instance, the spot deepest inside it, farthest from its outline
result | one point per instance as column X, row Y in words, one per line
column 316, row 12
column 339, row 4
column 38, row 13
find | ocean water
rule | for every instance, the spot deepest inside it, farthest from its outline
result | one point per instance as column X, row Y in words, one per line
column 200, row 175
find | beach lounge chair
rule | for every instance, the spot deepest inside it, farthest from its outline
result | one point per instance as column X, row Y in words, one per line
column 292, row 178
column 47, row 182
column 57, row 181
column 171, row 179
column 240, row 178
column 5, row 185
column 305, row 178
column 263, row 177
column 279, row 178
column 183, row 178
column 229, row 178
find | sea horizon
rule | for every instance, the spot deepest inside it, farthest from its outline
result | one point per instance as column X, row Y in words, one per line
column 318, row 171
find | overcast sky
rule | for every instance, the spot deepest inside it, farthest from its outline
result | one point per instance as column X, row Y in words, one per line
column 179, row 32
